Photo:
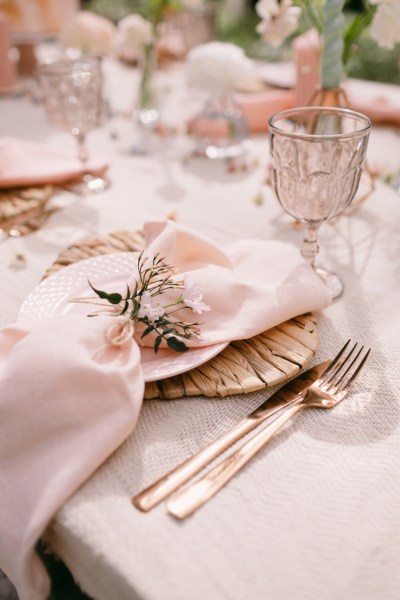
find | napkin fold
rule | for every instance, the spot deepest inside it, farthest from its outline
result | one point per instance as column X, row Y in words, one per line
column 65, row 405
column 68, row 400
column 250, row 285
column 23, row 162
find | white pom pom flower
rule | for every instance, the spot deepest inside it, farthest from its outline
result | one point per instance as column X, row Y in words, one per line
column 89, row 32
column 217, row 66
column 133, row 33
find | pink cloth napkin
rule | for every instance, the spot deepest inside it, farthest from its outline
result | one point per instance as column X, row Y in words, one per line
column 68, row 400
column 24, row 163
column 251, row 285
column 258, row 107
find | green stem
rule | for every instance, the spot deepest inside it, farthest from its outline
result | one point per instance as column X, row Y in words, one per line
column 355, row 29
column 146, row 96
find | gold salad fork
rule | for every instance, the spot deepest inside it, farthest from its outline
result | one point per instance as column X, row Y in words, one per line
column 330, row 389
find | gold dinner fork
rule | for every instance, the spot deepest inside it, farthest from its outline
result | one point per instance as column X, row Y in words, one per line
column 330, row 389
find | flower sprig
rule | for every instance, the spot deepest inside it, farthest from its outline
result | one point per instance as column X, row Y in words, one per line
column 281, row 18
column 145, row 302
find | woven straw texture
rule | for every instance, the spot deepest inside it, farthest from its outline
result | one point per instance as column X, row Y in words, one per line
column 244, row 366
column 18, row 202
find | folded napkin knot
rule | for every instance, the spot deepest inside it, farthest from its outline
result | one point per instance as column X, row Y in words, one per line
column 120, row 333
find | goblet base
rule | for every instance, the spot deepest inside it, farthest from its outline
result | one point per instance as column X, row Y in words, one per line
column 89, row 184
column 332, row 281
column 95, row 185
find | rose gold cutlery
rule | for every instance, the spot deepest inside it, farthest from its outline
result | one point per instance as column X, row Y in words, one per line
column 326, row 392
column 289, row 393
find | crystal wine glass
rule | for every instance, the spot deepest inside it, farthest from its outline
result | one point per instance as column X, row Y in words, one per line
column 72, row 94
column 317, row 155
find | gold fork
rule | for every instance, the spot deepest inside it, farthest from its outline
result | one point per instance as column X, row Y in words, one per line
column 330, row 389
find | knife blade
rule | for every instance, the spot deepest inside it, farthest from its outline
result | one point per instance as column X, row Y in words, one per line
column 174, row 479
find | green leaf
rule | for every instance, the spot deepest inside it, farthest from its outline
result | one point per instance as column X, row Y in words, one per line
column 169, row 330
column 157, row 343
column 111, row 298
column 126, row 305
column 161, row 321
column 176, row 344
column 135, row 308
column 148, row 330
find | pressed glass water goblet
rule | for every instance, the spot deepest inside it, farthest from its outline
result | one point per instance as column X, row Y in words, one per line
column 317, row 155
column 73, row 97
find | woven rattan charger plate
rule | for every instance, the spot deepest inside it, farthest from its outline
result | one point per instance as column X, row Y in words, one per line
column 16, row 202
column 244, row 366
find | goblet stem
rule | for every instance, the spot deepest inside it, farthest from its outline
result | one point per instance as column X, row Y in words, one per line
column 83, row 154
column 92, row 183
column 310, row 248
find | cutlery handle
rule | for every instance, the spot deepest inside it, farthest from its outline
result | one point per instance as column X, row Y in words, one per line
column 185, row 502
column 158, row 491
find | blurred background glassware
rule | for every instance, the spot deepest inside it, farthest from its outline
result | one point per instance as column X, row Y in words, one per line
column 146, row 115
column 221, row 129
column 72, row 95
column 317, row 155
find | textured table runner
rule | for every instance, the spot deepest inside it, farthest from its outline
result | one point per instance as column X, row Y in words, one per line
column 244, row 366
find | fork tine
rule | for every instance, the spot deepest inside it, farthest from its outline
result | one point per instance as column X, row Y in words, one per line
column 347, row 385
column 333, row 363
column 337, row 377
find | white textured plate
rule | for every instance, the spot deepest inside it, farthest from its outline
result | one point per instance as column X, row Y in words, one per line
column 109, row 272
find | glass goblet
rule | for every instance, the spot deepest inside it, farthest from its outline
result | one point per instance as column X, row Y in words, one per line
column 72, row 95
column 317, row 155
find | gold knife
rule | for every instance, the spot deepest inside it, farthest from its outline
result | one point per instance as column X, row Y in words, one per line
column 166, row 485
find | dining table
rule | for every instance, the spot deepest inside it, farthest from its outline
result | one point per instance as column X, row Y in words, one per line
column 315, row 515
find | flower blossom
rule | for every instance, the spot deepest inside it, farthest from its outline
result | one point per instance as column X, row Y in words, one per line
column 133, row 33
column 217, row 66
column 150, row 308
column 279, row 20
column 385, row 26
column 193, row 296
column 89, row 32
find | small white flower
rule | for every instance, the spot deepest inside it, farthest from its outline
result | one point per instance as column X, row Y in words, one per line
column 89, row 33
column 217, row 66
column 193, row 296
column 133, row 33
column 279, row 20
column 385, row 26
column 149, row 307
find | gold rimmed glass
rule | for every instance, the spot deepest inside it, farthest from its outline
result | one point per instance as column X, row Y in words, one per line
column 317, row 154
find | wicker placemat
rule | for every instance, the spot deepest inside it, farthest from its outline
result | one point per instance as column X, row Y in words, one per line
column 15, row 202
column 244, row 366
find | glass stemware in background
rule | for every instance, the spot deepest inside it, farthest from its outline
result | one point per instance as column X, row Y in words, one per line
column 317, row 155
column 221, row 131
column 72, row 95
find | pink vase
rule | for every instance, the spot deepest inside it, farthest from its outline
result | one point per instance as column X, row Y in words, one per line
column 306, row 51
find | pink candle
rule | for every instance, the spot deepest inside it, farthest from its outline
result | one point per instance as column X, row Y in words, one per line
column 7, row 67
column 307, row 48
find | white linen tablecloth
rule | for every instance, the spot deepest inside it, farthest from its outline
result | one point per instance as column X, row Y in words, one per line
column 315, row 515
